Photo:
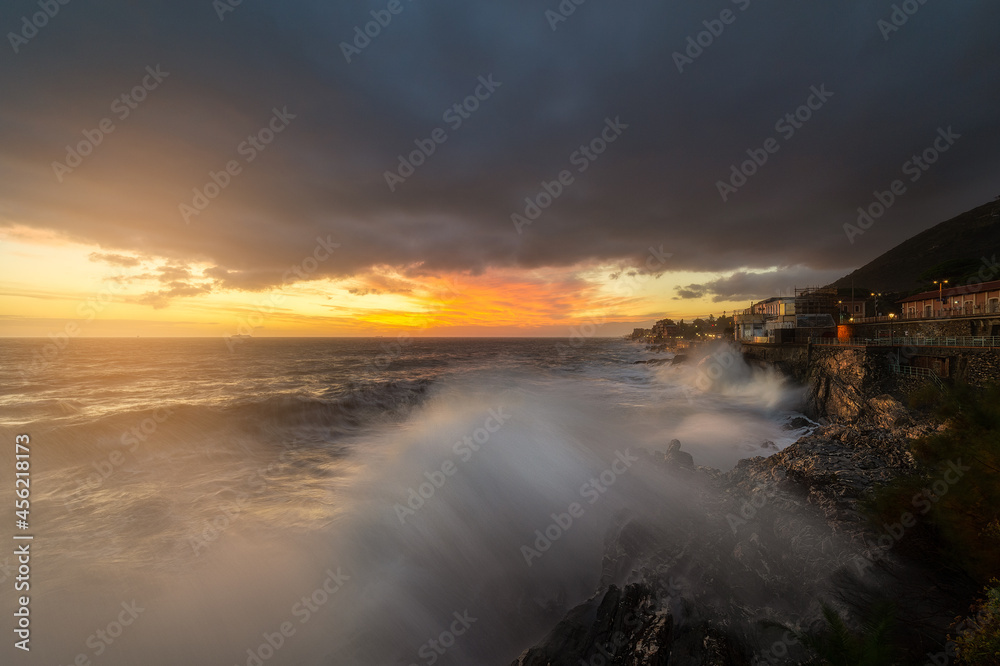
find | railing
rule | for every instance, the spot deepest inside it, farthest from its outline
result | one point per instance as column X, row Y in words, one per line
column 879, row 319
column 938, row 313
column 954, row 311
column 911, row 371
column 912, row 341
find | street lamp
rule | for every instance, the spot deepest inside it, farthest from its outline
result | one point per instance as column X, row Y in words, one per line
column 876, row 297
column 892, row 315
column 941, row 284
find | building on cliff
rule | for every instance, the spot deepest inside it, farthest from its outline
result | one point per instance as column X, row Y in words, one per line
column 962, row 301
column 810, row 313
column 852, row 307
column 665, row 328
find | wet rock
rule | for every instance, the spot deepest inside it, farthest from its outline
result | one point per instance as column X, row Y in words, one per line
column 652, row 361
column 677, row 458
column 770, row 539
column 797, row 423
column 621, row 627
column 887, row 412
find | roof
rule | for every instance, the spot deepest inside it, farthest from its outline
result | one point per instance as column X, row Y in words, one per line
column 953, row 291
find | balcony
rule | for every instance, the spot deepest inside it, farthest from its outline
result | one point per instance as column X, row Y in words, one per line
column 960, row 341
column 938, row 313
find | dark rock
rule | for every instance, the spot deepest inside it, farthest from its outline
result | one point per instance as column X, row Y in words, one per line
column 769, row 540
column 797, row 423
column 677, row 458
column 652, row 361
column 622, row 627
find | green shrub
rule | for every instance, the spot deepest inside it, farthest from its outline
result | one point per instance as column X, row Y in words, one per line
column 965, row 510
column 980, row 644
column 925, row 398
column 837, row 645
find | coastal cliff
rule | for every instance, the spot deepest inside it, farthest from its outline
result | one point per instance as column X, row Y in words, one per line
column 776, row 539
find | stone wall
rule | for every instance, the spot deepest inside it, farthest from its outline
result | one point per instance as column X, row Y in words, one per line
column 839, row 380
column 977, row 367
column 791, row 360
column 931, row 328
column 844, row 383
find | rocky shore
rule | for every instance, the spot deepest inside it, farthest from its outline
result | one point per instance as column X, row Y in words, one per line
column 768, row 544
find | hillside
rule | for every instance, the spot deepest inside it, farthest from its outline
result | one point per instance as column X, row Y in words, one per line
column 952, row 250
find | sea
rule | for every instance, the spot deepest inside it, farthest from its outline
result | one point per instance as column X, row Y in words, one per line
column 343, row 501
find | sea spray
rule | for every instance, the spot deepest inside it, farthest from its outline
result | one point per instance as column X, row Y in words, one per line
column 316, row 449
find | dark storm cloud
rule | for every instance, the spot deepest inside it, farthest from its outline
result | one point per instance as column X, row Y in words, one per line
column 345, row 125
column 744, row 285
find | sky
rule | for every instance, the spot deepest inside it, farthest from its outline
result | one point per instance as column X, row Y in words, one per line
column 200, row 168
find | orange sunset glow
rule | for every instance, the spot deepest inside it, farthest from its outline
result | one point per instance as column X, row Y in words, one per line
column 111, row 294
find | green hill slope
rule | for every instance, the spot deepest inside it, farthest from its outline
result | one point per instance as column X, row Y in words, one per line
column 953, row 250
